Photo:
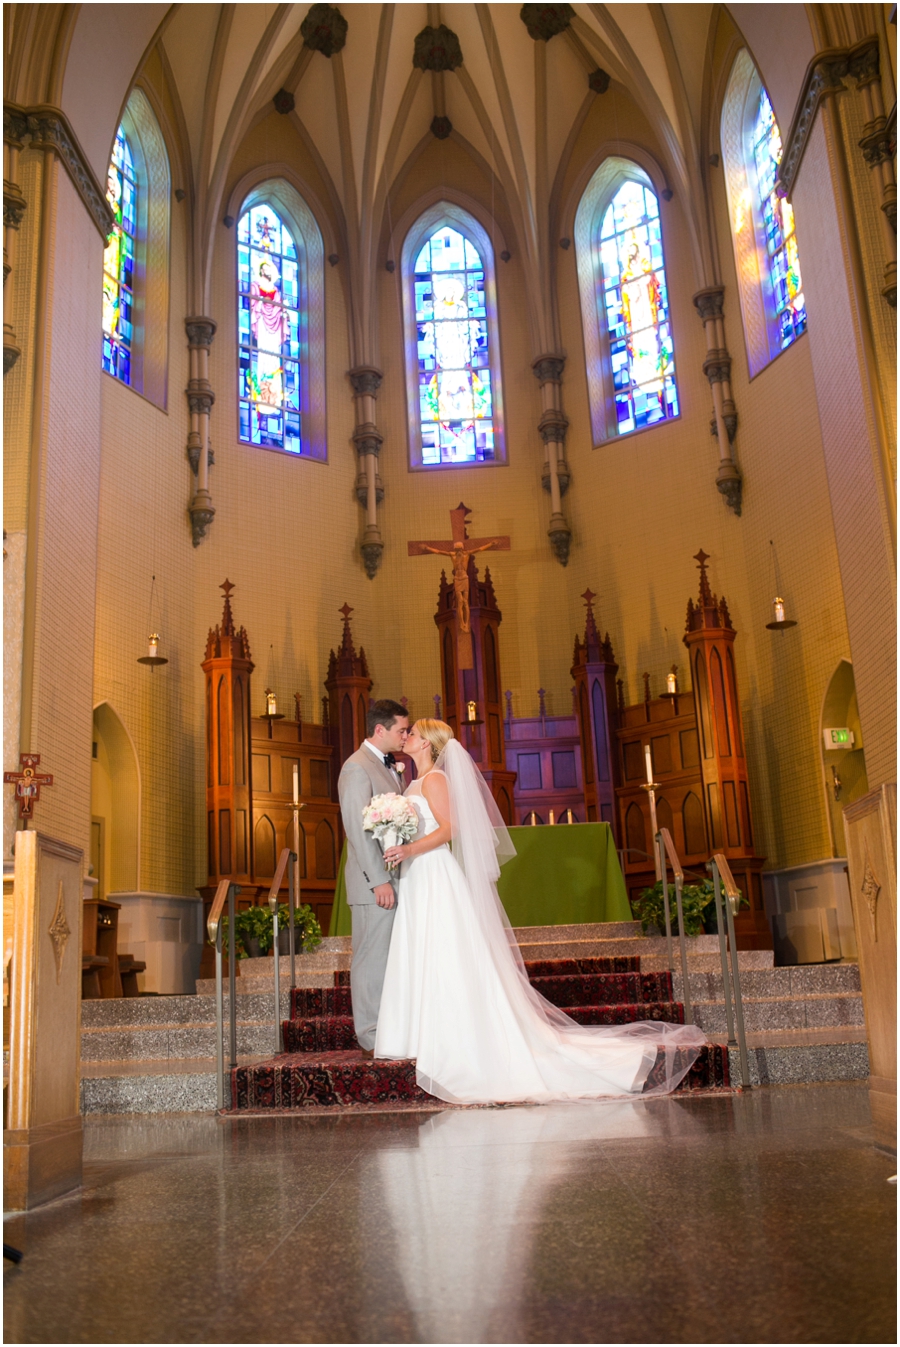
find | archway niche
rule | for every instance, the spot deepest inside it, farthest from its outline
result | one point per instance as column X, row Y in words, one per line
column 844, row 765
column 115, row 805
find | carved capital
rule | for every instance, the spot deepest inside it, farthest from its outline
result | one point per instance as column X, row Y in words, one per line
column 49, row 129
column 202, row 514
column 563, row 476
column 368, row 440
column 14, row 205
column 549, row 368
column 863, row 62
column 876, row 147
column 889, row 206
column 560, row 536
column 708, row 303
column 362, row 489
column 193, row 452
column 553, row 426
column 717, row 367
column 200, row 396
column 15, row 125
column 730, row 484
column 200, row 332
column 366, row 380
column 11, row 349
column 437, row 49
column 324, row 29
column 545, row 21
column 825, row 76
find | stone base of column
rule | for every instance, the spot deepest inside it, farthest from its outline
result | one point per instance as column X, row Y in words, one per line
column 202, row 514
column 730, row 484
column 560, row 536
column 372, row 549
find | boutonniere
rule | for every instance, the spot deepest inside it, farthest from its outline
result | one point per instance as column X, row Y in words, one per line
column 400, row 768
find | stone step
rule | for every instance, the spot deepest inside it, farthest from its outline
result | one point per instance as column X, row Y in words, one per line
column 588, row 930
column 313, row 970
column 797, row 981
column 767, row 1014
column 703, row 952
column 802, row 1057
column 169, row 1042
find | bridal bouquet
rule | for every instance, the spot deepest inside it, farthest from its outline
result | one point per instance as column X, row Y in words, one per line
column 392, row 819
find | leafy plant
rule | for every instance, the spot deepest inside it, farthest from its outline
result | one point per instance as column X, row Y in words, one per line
column 307, row 931
column 696, row 901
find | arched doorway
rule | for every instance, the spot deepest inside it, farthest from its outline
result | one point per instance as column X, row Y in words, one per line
column 843, row 760
column 115, row 805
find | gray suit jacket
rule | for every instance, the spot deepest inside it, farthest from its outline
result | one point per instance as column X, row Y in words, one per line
column 363, row 776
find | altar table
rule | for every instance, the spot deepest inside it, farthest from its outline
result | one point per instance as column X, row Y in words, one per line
column 560, row 876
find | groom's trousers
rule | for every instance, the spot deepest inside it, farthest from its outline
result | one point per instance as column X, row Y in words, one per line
column 371, row 940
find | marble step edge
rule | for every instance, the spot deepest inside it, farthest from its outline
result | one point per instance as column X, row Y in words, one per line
column 801, row 1063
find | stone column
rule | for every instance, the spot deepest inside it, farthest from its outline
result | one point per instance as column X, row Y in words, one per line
column 552, row 425
column 366, row 381
column 878, row 152
column 717, row 368
column 14, row 206
column 200, row 332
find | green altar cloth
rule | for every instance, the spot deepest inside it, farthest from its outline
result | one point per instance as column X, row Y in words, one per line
column 559, row 876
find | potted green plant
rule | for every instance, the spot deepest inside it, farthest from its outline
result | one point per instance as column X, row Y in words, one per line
column 307, row 931
column 254, row 930
column 696, row 901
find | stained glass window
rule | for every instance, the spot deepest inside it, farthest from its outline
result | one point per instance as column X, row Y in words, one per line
column 636, row 301
column 778, row 224
column 456, row 404
column 269, row 332
column 118, row 262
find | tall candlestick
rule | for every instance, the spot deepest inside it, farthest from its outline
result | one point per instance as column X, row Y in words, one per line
column 649, row 764
column 296, row 784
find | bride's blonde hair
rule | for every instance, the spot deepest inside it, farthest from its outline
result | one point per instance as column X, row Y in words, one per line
column 437, row 732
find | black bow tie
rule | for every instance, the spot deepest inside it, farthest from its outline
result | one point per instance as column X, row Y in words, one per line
column 389, row 759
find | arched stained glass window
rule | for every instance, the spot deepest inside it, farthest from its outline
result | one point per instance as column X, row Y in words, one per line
column 766, row 255
column 119, row 262
column 636, row 305
column 777, row 218
column 269, row 332
column 456, row 404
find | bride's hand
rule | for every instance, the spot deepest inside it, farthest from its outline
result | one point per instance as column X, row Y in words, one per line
column 394, row 855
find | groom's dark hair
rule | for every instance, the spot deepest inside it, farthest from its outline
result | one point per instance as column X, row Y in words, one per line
column 383, row 713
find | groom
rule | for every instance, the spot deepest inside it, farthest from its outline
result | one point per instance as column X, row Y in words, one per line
column 371, row 889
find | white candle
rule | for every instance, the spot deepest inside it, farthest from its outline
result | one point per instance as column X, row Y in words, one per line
column 296, row 783
column 154, row 646
column 671, row 684
column 552, row 818
column 271, row 704
column 472, row 711
column 779, row 610
column 649, row 764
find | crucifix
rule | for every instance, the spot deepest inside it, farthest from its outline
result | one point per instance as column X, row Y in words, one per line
column 28, row 783
column 459, row 549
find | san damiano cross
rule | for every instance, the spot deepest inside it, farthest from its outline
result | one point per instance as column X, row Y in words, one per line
column 459, row 549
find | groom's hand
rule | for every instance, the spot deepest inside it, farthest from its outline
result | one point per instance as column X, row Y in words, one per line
column 384, row 895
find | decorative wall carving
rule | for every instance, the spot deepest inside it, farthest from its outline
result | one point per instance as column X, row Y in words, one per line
column 49, row 129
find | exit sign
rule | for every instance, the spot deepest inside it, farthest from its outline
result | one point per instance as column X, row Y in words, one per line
column 838, row 738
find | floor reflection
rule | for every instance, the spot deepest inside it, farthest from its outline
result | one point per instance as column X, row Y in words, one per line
column 465, row 1205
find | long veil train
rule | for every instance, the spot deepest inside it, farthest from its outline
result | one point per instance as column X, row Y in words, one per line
column 481, row 843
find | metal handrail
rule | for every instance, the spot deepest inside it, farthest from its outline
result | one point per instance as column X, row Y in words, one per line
column 283, row 860
column 666, row 848
column 723, row 879
column 224, row 893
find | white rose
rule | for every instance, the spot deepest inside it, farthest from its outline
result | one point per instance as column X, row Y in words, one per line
column 400, row 767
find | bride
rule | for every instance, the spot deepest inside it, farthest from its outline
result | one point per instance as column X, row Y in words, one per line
column 456, row 995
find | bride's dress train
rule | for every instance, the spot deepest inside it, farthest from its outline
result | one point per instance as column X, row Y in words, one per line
column 456, row 997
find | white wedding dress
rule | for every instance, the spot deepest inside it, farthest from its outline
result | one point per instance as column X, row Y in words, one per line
column 456, row 997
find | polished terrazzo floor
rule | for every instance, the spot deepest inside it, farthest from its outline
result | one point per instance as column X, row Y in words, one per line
column 758, row 1218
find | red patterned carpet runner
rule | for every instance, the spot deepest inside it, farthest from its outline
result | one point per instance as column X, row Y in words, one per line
column 322, row 1065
